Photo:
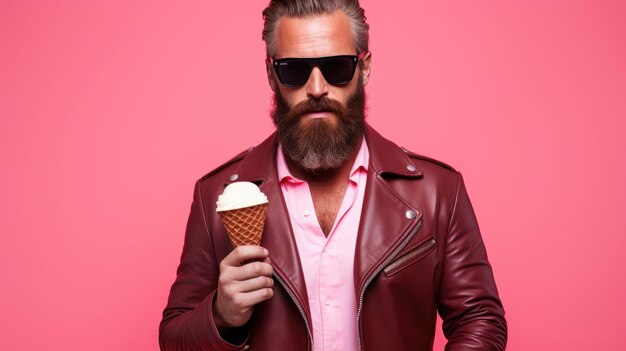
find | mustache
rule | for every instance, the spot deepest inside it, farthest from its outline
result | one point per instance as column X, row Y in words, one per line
column 316, row 105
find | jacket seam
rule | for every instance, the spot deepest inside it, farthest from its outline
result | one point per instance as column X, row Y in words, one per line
column 204, row 220
column 456, row 200
column 447, row 232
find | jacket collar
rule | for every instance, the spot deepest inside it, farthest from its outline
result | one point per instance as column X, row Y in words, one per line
column 386, row 158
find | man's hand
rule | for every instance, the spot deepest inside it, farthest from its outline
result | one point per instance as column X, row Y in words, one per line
column 245, row 280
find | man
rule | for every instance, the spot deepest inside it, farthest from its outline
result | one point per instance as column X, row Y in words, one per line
column 364, row 241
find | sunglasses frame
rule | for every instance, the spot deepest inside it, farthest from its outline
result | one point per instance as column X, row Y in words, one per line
column 315, row 62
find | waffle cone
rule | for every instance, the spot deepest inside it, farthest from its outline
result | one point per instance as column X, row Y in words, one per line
column 245, row 225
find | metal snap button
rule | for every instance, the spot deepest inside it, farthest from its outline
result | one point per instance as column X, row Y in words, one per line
column 410, row 214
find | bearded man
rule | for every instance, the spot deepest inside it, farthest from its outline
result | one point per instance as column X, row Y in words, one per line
column 364, row 241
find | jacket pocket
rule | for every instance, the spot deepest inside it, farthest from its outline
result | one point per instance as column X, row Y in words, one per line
column 410, row 257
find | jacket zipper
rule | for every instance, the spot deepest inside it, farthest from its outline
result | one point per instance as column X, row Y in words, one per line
column 293, row 298
column 427, row 245
column 378, row 270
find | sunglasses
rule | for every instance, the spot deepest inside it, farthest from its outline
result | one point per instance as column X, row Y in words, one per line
column 295, row 72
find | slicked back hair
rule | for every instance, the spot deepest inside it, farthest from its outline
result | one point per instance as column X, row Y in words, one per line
column 303, row 8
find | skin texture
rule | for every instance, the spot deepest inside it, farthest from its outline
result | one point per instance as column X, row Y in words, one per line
column 245, row 274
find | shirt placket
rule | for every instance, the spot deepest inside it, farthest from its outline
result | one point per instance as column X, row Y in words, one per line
column 330, row 282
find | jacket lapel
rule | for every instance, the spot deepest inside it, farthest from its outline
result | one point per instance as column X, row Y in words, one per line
column 388, row 220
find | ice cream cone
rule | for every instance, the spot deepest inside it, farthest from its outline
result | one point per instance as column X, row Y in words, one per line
column 243, row 207
column 245, row 225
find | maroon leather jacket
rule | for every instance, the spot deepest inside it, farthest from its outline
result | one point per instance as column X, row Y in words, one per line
column 418, row 251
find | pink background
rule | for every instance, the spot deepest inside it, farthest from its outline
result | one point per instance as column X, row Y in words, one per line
column 111, row 110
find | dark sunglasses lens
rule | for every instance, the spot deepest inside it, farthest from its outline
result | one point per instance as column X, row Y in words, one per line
column 293, row 73
column 338, row 70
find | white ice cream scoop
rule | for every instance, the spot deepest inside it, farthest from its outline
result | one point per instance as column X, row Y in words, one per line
column 239, row 195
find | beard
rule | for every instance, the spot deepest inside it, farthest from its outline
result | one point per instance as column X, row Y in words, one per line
column 319, row 146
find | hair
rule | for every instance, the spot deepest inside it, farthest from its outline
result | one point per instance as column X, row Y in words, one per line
column 302, row 8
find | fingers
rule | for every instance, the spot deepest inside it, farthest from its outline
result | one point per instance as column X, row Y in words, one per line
column 256, row 283
column 242, row 284
column 243, row 301
column 251, row 270
column 245, row 253
column 238, row 265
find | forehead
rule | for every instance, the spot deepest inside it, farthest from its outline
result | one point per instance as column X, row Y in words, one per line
column 314, row 36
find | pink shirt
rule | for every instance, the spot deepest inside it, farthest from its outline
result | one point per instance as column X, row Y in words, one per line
column 328, row 263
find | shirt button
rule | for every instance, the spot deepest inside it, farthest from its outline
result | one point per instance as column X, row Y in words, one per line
column 306, row 213
column 327, row 302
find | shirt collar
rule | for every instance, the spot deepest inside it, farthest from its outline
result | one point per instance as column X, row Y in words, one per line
column 360, row 162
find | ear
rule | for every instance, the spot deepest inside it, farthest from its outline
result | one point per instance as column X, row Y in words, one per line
column 366, row 68
column 271, row 78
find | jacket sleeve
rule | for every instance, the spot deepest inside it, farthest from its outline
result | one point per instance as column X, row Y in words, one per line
column 472, row 313
column 187, row 322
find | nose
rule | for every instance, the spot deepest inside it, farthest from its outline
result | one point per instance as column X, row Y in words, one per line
column 316, row 86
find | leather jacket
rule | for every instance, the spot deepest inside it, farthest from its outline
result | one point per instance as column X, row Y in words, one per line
column 419, row 251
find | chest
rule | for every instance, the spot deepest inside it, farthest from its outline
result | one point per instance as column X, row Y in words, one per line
column 327, row 202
